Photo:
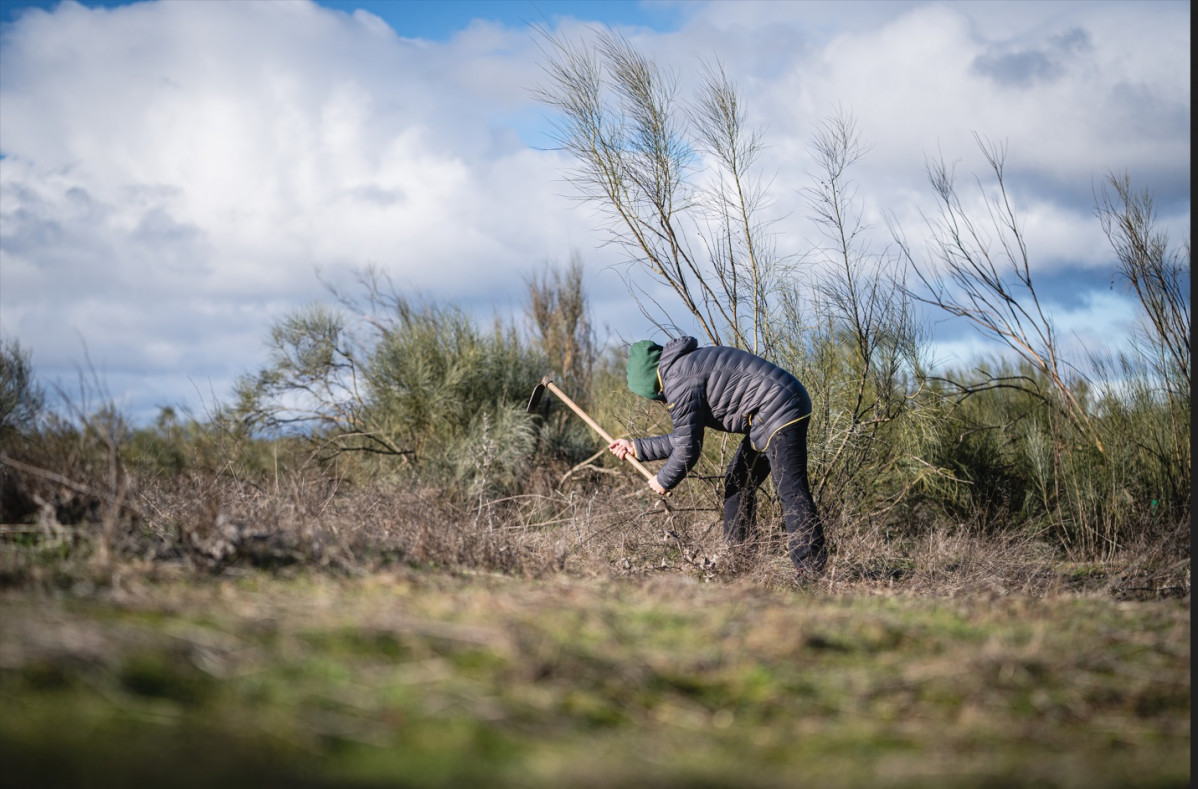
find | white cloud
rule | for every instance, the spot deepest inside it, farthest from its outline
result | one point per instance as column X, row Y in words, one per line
column 162, row 158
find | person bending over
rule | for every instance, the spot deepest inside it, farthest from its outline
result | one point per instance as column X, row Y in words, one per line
column 733, row 391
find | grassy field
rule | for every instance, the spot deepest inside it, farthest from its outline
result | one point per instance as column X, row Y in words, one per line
column 432, row 679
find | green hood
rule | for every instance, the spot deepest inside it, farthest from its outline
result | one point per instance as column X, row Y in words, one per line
column 643, row 358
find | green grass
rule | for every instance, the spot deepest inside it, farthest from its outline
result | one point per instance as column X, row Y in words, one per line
column 433, row 680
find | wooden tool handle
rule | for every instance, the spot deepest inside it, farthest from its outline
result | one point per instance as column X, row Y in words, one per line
column 595, row 426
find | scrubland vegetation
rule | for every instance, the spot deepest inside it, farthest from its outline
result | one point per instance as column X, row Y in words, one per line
column 372, row 567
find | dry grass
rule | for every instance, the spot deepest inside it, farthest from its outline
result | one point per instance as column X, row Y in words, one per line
column 596, row 527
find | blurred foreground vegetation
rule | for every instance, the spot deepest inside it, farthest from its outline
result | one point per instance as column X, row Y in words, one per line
column 419, row 679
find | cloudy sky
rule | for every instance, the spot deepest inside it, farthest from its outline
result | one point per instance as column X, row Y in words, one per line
column 178, row 174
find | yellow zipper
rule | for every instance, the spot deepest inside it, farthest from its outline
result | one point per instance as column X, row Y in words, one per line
column 779, row 427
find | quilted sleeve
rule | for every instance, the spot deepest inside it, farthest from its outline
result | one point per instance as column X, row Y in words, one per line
column 687, row 439
column 654, row 447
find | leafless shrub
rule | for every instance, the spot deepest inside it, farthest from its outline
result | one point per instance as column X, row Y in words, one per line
column 1157, row 273
column 1097, row 461
column 985, row 277
column 640, row 152
column 859, row 348
column 1158, row 373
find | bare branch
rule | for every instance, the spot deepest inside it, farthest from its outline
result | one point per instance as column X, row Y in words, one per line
column 987, row 280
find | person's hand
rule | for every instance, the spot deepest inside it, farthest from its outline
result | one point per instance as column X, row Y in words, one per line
column 657, row 488
column 622, row 448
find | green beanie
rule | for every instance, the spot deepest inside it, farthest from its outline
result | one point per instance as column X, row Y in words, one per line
column 643, row 358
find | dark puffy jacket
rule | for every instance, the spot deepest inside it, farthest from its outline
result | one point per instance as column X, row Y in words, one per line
column 722, row 388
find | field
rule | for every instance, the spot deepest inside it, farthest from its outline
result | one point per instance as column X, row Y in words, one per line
column 426, row 677
column 280, row 623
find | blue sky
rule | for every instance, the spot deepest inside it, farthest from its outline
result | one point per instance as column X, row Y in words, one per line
column 179, row 174
column 439, row 20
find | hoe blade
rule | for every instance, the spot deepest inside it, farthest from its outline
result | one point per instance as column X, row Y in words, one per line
column 537, row 393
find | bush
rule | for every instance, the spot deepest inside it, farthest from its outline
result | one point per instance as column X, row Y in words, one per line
column 21, row 399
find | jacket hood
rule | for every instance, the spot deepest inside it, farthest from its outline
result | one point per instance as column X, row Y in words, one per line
column 677, row 348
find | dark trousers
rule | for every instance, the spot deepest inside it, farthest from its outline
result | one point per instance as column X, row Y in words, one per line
column 786, row 458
